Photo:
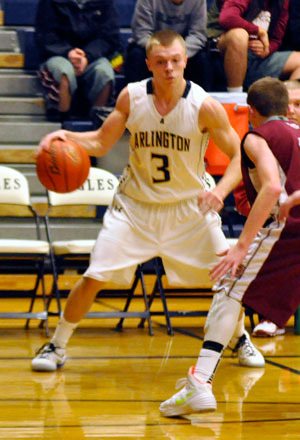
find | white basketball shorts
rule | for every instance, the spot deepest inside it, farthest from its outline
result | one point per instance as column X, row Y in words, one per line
column 134, row 232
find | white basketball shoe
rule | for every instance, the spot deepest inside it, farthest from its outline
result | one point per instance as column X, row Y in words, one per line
column 248, row 355
column 195, row 396
column 48, row 358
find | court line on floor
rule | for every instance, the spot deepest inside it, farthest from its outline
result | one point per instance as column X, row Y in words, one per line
column 268, row 361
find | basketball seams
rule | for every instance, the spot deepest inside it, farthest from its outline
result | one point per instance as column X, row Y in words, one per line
column 65, row 169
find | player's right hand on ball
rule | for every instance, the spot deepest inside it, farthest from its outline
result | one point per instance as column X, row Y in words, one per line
column 46, row 140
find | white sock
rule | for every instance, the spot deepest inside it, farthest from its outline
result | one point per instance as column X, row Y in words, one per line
column 63, row 332
column 207, row 364
column 235, row 89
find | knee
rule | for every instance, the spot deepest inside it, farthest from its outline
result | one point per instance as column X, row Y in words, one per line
column 235, row 40
column 92, row 286
column 224, row 311
column 103, row 71
column 59, row 66
column 62, row 70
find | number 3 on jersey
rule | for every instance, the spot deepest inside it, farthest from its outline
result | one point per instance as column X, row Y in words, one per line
column 160, row 165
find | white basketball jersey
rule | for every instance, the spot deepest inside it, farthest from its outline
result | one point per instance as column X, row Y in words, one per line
column 166, row 161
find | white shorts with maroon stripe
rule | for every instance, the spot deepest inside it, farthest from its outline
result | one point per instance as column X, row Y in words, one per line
column 269, row 278
column 257, row 254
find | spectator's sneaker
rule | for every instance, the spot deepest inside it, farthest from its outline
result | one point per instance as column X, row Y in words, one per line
column 247, row 353
column 195, row 396
column 266, row 329
column 48, row 358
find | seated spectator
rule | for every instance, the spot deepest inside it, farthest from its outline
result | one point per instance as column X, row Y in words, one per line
column 78, row 41
column 249, row 34
column 186, row 17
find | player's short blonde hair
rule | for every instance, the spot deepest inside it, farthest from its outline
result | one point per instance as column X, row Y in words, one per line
column 165, row 38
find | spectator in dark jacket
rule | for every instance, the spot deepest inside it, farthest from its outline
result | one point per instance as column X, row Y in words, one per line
column 77, row 40
column 249, row 34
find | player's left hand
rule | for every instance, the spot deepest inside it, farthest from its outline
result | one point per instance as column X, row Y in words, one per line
column 209, row 201
column 231, row 263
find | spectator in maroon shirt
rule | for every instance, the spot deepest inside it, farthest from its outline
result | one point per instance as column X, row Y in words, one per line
column 249, row 34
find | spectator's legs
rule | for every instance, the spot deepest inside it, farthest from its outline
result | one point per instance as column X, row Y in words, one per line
column 135, row 68
column 292, row 66
column 98, row 88
column 59, row 83
column 105, row 94
column 234, row 47
column 97, row 82
column 65, row 97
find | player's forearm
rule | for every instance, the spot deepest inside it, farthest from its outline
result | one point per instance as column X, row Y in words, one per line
column 259, row 213
column 90, row 140
column 231, row 178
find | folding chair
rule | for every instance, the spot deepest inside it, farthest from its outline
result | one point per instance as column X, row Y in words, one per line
column 22, row 256
column 97, row 192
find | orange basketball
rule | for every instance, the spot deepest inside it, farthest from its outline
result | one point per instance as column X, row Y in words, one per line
column 62, row 166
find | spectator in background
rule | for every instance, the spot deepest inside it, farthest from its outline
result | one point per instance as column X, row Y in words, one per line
column 186, row 17
column 78, row 41
column 249, row 34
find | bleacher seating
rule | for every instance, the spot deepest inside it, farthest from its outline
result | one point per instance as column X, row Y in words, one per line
column 22, row 12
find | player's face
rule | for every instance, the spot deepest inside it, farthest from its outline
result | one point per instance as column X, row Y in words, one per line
column 294, row 105
column 167, row 63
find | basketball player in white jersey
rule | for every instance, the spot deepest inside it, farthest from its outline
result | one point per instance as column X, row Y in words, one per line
column 162, row 207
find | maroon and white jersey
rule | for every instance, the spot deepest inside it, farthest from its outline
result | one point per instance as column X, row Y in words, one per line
column 269, row 282
column 283, row 138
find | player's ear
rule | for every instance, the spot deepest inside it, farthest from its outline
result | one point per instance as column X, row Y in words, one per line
column 251, row 110
column 148, row 64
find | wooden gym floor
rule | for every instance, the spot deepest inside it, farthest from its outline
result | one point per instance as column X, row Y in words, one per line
column 113, row 383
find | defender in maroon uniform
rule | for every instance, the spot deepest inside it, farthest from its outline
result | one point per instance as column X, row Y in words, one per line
column 263, row 269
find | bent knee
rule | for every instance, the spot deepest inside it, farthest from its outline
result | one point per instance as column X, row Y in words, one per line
column 235, row 39
column 91, row 284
